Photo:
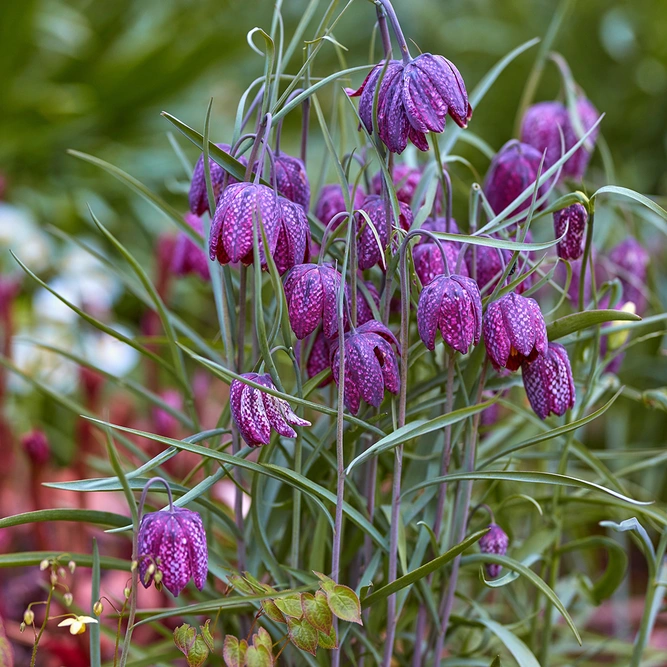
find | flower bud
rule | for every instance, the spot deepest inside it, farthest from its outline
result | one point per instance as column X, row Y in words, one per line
column 127, row 592
column 54, row 578
column 62, row 573
column 98, row 608
column 44, row 565
column 28, row 616
column 619, row 338
column 36, row 446
column 22, row 627
column 72, row 566
column 134, row 566
column 494, row 542
column 68, row 599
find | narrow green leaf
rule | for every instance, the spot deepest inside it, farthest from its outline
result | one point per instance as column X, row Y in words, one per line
column 95, row 647
column 576, row 321
column 29, row 558
column 631, row 194
column 522, row 654
column 78, row 515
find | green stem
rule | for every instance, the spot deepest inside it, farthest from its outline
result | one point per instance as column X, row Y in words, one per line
column 42, row 628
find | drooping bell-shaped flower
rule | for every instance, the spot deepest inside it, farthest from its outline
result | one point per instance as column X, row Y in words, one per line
column 548, row 382
column 426, row 254
column 255, row 412
column 311, row 291
column 36, row 445
column 293, row 244
column 413, row 98
column 187, row 257
column 576, row 166
column 453, row 305
column 198, row 197
column 371, row 242
column 405, row 178
column 371, row 365
column 574, row 219
column 172, row 543
column 494, row 542
column 629, row 261
column 291, row 178
column 514, row 331
column 240, row 207
column 331, row 202
column 513, row 169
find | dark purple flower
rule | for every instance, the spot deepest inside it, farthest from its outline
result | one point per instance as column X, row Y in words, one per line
column 369, row 251
column 540, row 129
column 188, row 257
column 548, row 382
column 370, row 364
column 319, row 358
column 513, row 169
column 36, row 445
column 255, row 412
column 629, row 262
column 364, row 310
column 291, row 179
column 576, row 166
column 426, row 254
column 198, row 196
column 494, row 542
column 311, row 291
column 173, row 543
column 514, row 331
column 165, row 423
column 231, row 237
column 331, row 202
column 293, row 245
column 574, row 218
column 413, row 99
column 405, row 178
column 453, row 305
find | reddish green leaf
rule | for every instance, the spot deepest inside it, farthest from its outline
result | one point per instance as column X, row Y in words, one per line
column 344, row 603
column 184, row 638
column 234, row 651
column 329, row 640
column 290, row 605
column 303, row 635
column 237, row 582
column 258, row 656
column 327, row 583
column 270, row 609
column 263, row 638
column 316, row 611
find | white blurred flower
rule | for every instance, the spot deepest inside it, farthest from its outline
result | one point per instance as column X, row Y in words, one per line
column 108, row 353
column 20, row 233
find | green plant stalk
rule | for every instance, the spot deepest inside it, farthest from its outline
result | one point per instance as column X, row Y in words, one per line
column 33, row 657
column 463, row 502
column 587, row 254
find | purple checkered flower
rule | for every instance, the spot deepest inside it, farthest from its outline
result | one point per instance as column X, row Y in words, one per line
column 331, row 202
column 629, row 262
column 574, row 219
column 426, row 254
column 453, row 305
column 514, row 331
column 494, row 542
column 293, row 244
column 198, row 197
column 378, row 210
column 188, row 257
column 255, row 412
column 548, row 382
column 312, row 291
column 405, row 178
column 370, row 364
column 291, row 179
column 413, row 99
column 540, row 129
column 239, row 205
column 512, row 170
column 172, row 543
column 364, row 310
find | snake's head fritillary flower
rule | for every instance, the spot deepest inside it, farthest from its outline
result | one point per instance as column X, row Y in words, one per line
column 319, row 358
column 311, row 291
column 187, row 257
column 172, row 542
column 548, row 382
column 36, row 445
column 293, row 245
column 514, row 331
column 291, row 179
column 240, row 207
column 413, row 99
column 198, row 197
column 331, row 202
column 371, row 242
column 405, row 178
column 426, row 254
column 576, row 166
column 255, row 412
column 364, row 309
column 513, row 169
column 371, row 365
column 574, row 219
column 630, row 262
column 453, row 305
column 494, row 542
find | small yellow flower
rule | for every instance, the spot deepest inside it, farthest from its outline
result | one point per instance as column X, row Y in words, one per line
column 77, row 625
